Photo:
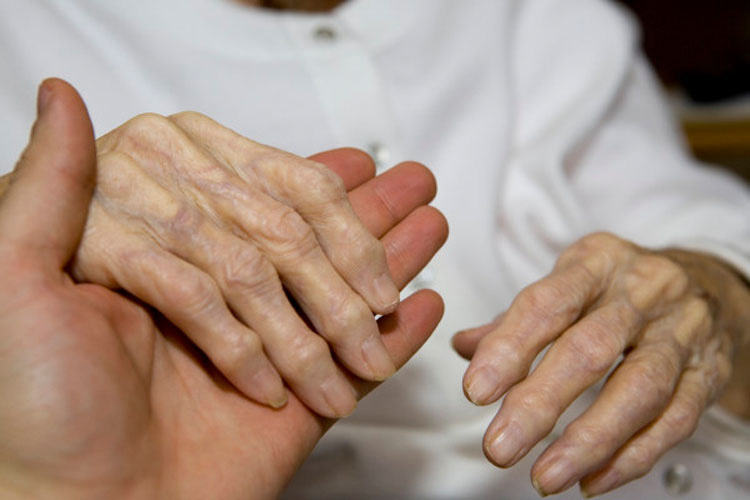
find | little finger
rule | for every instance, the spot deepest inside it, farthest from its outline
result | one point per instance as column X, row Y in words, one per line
column 636, row 393
column 191, row 300
column 637, row 456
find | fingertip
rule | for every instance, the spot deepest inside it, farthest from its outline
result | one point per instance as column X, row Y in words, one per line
column 385, row 294
column 43, row 96
column 481, row 385
column 458, row 343
column 423, row 175
column 377, row 359
column 354, row 166
column 339, row 396
column 278, row 401
column 538, row 487
column 260, row 382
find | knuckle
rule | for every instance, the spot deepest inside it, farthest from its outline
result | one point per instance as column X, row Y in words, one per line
column 540, row 299
column 510, row 350
column 348, row 309
column 248, row 272
column 654, row 279
column 697, row 319
column 599, row 250
column 322, row 181
column 664, row 270
column 682, row 419
column 654, row 380
column 306, row 354
column 196, row 294
column 640, row 459
column 189, row 116
column 591, row 437
column 700, row 313
column 364, row 249
column 289, row 232
column 601, row 241
column 236, row 350
column 144, row 125
column 540, row 401
column 594, row 347
column 699, row 308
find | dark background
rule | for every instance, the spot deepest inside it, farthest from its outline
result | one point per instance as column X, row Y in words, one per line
column 701, row 51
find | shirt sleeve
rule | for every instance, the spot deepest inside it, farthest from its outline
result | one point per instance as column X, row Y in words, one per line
column 597, row 149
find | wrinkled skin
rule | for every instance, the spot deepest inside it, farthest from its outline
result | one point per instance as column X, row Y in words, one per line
column 102, row 399
column 206, row 226
column 668, row 321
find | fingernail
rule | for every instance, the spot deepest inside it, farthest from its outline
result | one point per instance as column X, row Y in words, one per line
column 276, row 395
column 601, row 484
column 538, row 488
column 43, row 98
column 386, row 293
column 507, row 445
column 377, row 358
column 278, row 400
column 555, row 478
column 339, row 396
column 482, row 385
column 262, row 383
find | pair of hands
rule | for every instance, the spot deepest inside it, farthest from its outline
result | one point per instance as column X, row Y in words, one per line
column 165, row 413
column 102, row 398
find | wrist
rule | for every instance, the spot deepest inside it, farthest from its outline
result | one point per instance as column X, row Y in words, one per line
column 4, row 183
column 20, row 483
column 728, row 292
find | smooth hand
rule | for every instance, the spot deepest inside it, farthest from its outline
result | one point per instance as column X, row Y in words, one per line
column 667, row 322
column 102, row 399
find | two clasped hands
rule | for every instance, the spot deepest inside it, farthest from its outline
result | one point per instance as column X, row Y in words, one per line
column 184, row 312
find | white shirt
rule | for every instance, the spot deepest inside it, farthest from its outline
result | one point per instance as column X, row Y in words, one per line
column 539, row 119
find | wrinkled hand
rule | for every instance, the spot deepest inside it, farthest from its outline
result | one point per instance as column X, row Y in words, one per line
column 665, row 315
column 100, row 400
column 211, row 228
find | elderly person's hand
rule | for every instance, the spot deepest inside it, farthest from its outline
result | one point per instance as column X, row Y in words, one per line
column 101, row 400
column 212, row 229
column 668, row 320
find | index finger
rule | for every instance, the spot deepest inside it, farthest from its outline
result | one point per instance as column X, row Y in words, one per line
column 538, row 315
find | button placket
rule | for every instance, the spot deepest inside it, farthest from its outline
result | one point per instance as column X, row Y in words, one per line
column 349, row 87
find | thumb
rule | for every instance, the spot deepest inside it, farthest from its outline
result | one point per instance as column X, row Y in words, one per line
column 44, row 210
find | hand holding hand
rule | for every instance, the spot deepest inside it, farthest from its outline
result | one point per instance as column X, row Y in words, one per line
column 101, row 400
column 671, row 317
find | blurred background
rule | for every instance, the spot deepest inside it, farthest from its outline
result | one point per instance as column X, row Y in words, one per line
column 701, row 51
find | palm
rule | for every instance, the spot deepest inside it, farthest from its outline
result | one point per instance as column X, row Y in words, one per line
column 111, row 394
column 78, row 381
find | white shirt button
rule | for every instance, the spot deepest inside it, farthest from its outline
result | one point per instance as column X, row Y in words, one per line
column 379, row 153
column 677, row 479
column 424, row 279
column 324, row 34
